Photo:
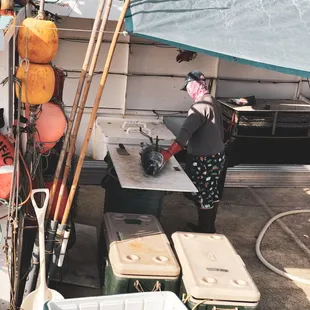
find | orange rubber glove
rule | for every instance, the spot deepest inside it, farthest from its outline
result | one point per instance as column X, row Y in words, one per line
column 172, row 150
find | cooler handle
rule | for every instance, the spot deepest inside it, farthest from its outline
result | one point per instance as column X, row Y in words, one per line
column 186, row 298
column 139, row 288
column 134, row 123
column 216, row 308
column 135, row 129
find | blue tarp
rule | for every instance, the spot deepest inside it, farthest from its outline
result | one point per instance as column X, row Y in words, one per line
column 271, row 34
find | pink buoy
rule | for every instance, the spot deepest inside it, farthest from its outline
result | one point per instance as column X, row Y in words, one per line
column 51, row 124
column 6, row 173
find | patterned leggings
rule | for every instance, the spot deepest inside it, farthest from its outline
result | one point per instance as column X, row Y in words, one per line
column 205, row 173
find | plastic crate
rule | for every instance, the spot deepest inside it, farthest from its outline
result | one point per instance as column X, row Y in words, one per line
column 138, row 301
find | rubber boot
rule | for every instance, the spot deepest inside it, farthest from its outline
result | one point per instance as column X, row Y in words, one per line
column 206, row 223
column 190, row 227
column 216, row 206
column 206, row 219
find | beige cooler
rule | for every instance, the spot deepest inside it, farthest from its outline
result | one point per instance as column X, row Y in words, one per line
column 213, row 274
column 138, row 252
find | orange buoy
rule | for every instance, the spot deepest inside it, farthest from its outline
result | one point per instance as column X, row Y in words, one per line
column 6, row 174
column 39, row 83
column 41, row 38
column 6, row 151
column 6, row 166
column 51, row 125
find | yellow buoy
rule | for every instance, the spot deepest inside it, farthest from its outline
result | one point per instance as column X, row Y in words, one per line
column 39, row 82
column 41, row 37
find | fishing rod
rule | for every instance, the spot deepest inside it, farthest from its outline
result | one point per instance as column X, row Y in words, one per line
column 75, row 105
column 51, row 224
column 94, row 111
column 75, row 131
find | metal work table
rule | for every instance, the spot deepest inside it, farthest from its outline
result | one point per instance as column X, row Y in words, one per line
column 131, row 175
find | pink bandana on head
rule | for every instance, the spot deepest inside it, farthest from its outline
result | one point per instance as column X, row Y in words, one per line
column 197, row 89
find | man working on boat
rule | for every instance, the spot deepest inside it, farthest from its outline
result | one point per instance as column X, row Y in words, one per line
column 203, row 133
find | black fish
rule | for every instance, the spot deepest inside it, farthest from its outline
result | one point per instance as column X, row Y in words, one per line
column 152, row 160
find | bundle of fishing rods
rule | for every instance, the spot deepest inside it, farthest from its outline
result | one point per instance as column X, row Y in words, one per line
column 57, row 232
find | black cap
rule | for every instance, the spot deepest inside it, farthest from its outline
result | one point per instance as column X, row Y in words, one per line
column 193, row 76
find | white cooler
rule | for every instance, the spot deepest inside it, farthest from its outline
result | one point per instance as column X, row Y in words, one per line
column 213, row 274
column 113, row 130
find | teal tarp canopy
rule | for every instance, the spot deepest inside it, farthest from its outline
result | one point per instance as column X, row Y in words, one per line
column 271, row 34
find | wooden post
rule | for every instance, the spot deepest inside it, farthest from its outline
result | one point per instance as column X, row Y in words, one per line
column 82, row 106
column 75, row 105
column 94, row 112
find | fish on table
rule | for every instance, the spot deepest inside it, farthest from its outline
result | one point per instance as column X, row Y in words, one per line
column 152, row 160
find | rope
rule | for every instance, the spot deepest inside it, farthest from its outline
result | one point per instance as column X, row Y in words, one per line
column 157, row 287
column 3, row 201
column 26, row 60
column 29, row 179
column 125, row 33
column 12, row 217
column 139, row 288
column 186, row 298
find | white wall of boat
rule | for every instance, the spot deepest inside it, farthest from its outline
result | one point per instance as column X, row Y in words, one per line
column 145, row 76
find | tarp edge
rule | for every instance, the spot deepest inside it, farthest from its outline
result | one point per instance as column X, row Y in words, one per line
column 290, row 71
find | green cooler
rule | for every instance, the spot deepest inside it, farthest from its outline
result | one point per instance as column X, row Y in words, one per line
column 124, row 200
column 139, row 256
column 214, row 276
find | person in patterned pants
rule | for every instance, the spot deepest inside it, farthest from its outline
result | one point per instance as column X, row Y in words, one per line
column 202, row 131
column 205, row 174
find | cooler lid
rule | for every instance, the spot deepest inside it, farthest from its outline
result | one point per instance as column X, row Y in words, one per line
column 131, row 175
column 212, row 269
column 138, row 246
column 117, row 130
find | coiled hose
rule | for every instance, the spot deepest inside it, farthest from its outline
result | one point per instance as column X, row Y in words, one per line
column 264, row 261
